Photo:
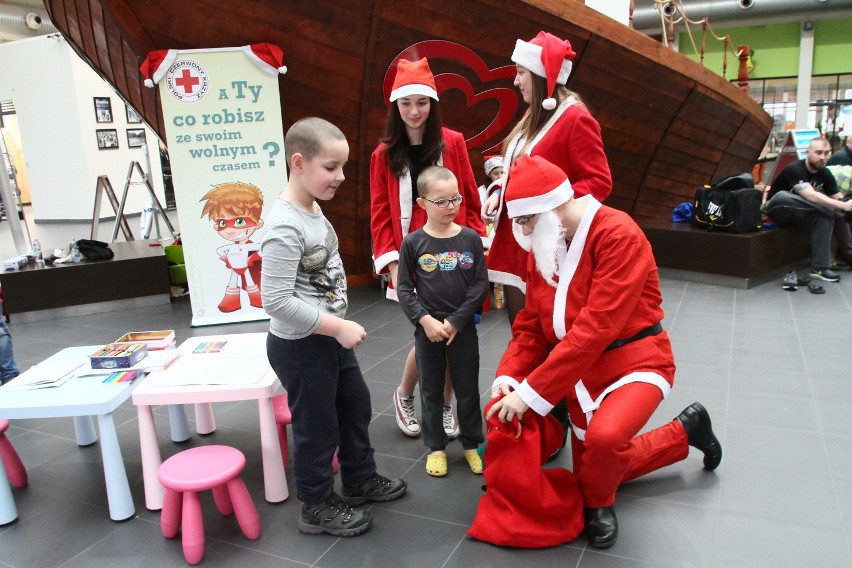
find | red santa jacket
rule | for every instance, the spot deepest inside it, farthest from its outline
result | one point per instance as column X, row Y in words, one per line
column 525, row 505
column 613, row 294
column 391, row 213
column 572, row 140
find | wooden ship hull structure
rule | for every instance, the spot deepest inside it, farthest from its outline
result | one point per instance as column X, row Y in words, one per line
column 669, row 125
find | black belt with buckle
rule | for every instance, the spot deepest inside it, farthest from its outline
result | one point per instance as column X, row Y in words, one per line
column 655, row 329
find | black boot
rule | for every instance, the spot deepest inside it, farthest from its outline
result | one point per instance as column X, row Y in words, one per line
column 699, row 431
column 560, row 412
column 601, row 526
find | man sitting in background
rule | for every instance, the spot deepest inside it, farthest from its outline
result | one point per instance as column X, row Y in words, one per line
column 805, row 194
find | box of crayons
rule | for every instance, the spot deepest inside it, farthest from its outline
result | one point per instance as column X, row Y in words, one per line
column 118, row 355
column 155, row 340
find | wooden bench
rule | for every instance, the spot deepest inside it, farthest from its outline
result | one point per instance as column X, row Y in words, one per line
column 736, row 260
column 137, row 276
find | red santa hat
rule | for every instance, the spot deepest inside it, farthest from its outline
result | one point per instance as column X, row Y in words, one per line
column 492, row 162
column 547, row 56
column 269, row 57
column 413, row 78
column 536, row 186
column 156, row 64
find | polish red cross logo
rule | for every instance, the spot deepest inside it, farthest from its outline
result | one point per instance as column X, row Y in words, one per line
column 187, row 81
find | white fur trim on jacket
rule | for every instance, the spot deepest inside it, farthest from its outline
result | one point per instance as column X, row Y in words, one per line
column 570, row 263
column 589, row 406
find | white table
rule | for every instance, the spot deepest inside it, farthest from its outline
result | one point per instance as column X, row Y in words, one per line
column 170, row 387
column 81, row 398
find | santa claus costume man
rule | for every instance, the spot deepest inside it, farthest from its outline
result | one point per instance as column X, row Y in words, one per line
column 590, row 332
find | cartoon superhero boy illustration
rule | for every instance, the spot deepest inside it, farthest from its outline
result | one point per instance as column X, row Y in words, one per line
column 234, row 208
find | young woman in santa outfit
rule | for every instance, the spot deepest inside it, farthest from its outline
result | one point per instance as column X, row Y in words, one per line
column 414, row 138
column 557, row 127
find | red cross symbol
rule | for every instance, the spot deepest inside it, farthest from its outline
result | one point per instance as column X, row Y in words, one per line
column 187, row 81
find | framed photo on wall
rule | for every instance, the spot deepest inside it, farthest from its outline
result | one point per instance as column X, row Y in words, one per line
column 132, row 116
column 103, row 109
column 107, row 138
column 135, row 137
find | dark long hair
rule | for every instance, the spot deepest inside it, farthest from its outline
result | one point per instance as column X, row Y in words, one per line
column 396, row 138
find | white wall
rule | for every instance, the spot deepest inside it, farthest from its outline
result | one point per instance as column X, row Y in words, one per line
column 616, row 9
column 53, row 91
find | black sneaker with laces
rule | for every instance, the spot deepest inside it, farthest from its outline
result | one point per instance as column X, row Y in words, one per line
column 376, row 488
column 826, row 274
column 334, row 517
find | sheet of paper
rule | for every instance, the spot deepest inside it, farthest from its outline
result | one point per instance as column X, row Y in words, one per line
column 244, row 349
column 206, row 370
column 46, row 374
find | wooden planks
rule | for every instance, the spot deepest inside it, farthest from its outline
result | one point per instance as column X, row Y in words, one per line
column 668, row 125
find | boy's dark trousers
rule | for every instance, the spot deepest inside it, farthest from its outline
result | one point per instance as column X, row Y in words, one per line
column 462, row 355
column 330, row 406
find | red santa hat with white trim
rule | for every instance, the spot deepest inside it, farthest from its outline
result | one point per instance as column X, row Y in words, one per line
column 413, row 78
column 536, row 186
column 547, row 56
column 492, row 162
column 268, row 56
column 156, row 64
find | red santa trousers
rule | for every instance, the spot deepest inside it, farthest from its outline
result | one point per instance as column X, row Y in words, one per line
column 612, row 453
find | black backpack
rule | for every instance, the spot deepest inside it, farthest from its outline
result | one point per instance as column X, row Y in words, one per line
column 732, row 205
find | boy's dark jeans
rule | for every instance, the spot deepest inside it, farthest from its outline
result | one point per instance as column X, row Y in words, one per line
column 330, row 405
column 462, row 355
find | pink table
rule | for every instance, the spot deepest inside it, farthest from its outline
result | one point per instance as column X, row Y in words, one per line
column 201, row 379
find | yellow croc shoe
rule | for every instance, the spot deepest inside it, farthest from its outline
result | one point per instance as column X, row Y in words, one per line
column 436, row 464
column 473, row 460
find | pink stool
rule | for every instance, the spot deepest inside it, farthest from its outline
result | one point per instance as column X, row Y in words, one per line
column 183, row 475
column 281, row 409
column 15, row 470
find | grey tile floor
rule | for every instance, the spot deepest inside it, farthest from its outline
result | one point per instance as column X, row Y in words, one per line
column 771, row 366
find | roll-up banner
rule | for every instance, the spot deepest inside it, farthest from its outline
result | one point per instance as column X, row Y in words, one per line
column 222, row 113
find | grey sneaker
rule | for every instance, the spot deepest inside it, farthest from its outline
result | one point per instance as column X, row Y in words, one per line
column 451, row 425
column 791, row 282
column 404, row 412
column 334, row 517
column 826, row 274
column 376, row 488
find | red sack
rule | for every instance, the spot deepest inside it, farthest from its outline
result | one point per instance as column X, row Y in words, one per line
column 525, row 505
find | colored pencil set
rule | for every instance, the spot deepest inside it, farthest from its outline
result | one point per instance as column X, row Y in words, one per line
column 121, row 377
column 115, row 350
column 209, row 347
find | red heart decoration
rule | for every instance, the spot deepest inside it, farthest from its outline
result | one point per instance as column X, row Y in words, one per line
column 507, row 99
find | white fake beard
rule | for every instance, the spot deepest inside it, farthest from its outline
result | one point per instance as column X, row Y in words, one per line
column 548, row 239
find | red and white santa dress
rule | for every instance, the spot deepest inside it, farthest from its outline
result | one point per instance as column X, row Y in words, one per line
column 392, row 215
column 571, row 139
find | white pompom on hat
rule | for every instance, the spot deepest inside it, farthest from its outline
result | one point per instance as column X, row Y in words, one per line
column 536, row 186
column 492, row 162
column 547, row 56
column 413, row 78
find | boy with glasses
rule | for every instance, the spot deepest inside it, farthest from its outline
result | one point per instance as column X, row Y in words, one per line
column 445, row 263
